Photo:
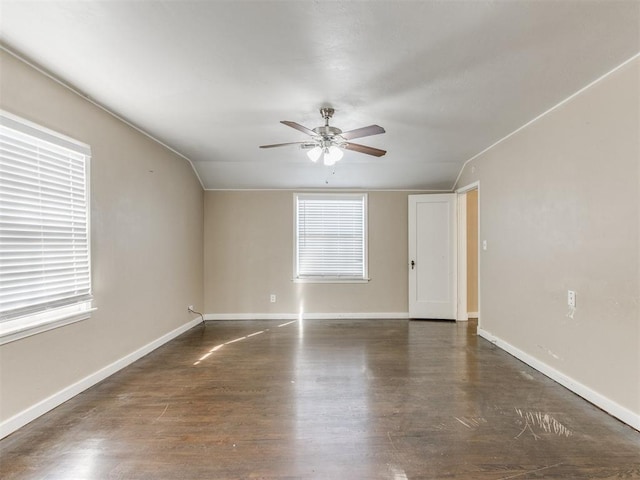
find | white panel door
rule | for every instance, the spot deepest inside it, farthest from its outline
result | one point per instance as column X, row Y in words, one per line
column 432, row 256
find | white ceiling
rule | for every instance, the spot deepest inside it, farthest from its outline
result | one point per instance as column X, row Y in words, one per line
column 213, row 79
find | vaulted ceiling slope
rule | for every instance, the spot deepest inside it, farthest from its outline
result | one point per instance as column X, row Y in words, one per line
column 213, row 79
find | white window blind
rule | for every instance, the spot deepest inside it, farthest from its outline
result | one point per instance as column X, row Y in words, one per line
column 44, row 220
column 331, row 236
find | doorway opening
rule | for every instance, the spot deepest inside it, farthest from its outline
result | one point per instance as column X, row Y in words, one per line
column 468, row 252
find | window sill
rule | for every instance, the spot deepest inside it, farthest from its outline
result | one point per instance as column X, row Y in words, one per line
column 13, row 330
column 331, row 280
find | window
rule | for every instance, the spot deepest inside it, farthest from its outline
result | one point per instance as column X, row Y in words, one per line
column 331, row 237
column 45, row 263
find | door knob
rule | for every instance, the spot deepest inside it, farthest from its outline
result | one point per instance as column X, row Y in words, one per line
column 413, row 264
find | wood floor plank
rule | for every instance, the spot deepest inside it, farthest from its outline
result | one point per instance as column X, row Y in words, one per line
column 338, row 399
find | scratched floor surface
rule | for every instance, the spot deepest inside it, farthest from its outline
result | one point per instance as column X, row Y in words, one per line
column 325, row 400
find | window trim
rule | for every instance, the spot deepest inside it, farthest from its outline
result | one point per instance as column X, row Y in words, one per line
column 22, row 327
column 331, row 279
column 50, row 318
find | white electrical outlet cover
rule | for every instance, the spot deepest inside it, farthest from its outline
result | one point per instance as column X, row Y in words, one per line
column 571, row 298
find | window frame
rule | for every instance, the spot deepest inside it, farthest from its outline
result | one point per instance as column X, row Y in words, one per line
column 365, row 255
column 38, row 320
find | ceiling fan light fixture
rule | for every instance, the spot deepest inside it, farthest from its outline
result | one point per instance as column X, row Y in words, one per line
column 314, row 154
column 332, row 155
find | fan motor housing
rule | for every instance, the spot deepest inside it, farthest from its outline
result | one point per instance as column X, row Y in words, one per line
column 327, row 131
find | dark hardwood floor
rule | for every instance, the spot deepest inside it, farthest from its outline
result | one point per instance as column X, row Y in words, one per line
column 325, row 400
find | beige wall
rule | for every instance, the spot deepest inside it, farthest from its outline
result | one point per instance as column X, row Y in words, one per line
column 249, row 255
column 472, row 251
column 559, row 209
column 147, row 210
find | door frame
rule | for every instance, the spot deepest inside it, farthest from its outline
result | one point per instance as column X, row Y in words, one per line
column 463, row 314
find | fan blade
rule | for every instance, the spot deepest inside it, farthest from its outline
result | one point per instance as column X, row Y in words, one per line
column 281, row 144
column 297, row 126
column 362, row 132
column 376, row 152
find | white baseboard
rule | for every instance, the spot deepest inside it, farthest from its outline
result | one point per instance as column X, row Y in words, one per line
column 21, row 419
column 305, row 316
column 472, row 314
column 624, row 414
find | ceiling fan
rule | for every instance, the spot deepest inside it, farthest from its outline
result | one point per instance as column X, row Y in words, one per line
column 328, row 141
